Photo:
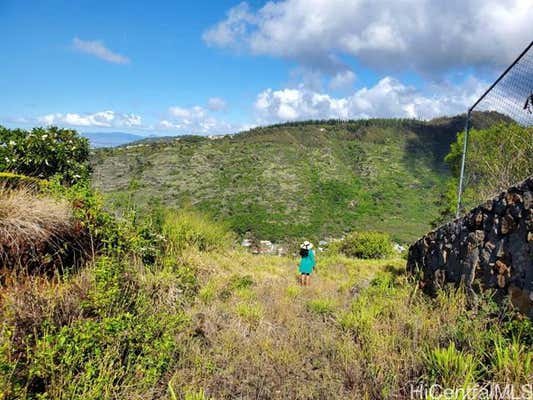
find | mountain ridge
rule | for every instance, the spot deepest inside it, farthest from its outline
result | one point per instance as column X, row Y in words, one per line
column 299, row 179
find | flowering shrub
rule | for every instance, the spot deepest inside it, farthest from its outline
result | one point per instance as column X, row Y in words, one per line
column 45, row 152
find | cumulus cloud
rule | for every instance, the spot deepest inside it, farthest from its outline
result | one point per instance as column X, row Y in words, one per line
column 342, row 79
column 101, row 119
column 195, row 120
column 429, row 36
column 387, row 98
column 99, row 50
column 186, row 114
column 228, row 32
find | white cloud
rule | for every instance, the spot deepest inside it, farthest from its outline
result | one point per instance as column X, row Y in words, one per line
column 102, row 119
column 430, row 36
column 194, row 120
column 99, row 50
column 195, row 112
column 234, row 26
column 216, row 104
column 342, row 79
column 388, row 98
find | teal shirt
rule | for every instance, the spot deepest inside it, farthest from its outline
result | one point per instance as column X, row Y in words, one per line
column 307, row 263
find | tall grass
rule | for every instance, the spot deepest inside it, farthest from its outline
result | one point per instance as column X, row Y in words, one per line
column 189, row 229
column 37, row 230
column 112, row 329
column 512, row 361
column 450, row 367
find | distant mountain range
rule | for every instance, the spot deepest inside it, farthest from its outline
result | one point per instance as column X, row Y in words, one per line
column 110, row 139
column 116, row 139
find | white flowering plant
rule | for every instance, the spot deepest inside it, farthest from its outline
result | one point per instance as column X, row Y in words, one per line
column 45, row 153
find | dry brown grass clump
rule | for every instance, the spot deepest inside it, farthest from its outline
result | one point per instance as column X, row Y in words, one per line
column 37, row 231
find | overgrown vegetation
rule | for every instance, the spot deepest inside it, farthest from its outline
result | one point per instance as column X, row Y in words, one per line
column 165, row 314
column 111, row 328
column 366, row 245
column 38, row 231
column 359, row 331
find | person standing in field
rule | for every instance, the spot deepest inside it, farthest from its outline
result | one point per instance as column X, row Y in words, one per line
column 307, row 262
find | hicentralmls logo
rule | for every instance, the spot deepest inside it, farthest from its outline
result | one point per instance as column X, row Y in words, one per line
column 489, row 391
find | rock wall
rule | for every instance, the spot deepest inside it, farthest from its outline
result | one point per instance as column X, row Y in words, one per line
column 490, row 247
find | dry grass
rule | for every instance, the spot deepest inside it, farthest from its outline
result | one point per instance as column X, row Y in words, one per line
column 36, row 231
column 258, row 334
column 360, row 331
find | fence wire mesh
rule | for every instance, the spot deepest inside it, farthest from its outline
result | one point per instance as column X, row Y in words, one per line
column 501, row 155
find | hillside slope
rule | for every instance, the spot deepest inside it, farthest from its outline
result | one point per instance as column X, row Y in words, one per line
column 310, row 179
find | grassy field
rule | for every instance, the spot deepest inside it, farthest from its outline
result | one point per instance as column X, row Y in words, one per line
column 359, row 331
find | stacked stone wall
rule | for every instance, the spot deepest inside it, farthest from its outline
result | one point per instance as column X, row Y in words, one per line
column 489, row 248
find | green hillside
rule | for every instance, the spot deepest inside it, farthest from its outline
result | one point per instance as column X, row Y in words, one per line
column 313, row 179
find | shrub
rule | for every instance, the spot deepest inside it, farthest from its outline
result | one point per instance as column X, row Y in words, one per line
column 367, row 245
column 188, row 229
column 107, row 233
column 49, row 225
column 334, row 247
column 44, row 153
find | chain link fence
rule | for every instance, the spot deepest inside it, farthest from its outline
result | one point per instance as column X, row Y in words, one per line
column 502, row 155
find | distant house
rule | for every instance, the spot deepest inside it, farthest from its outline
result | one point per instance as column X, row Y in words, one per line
column 266, row 246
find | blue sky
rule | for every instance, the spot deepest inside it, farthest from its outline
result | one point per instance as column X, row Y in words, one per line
column 211, row 67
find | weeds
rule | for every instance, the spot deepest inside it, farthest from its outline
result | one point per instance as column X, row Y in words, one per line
column 450, row 367
column 512, row 361
column 323, row 307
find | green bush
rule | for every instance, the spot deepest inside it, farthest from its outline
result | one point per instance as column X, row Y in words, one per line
column 107, row 233
column 367, row 245
column 188, row 229
column 44, row 153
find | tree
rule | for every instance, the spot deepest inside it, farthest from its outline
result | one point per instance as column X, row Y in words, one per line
column 44, row 153
column 497, row 158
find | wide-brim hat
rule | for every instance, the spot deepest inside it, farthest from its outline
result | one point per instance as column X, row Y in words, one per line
column 306, row 245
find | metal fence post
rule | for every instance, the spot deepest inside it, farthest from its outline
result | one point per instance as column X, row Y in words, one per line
column 461, row 179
